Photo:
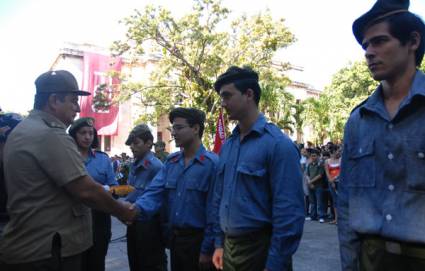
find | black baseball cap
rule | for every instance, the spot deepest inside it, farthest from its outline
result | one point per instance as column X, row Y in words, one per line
column 60, row 81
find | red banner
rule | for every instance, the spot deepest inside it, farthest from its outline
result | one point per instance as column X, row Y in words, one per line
column 102, row 87
column 220, row 134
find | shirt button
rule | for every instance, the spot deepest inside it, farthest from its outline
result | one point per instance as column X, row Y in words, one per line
column 391, row 187
column 177, row 213
column 390, row 156
column 390, row 126
column 388, row 217
column 179, row 194
column 421, row 155
column 360, row 150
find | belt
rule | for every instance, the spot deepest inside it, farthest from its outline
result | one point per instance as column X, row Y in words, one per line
column 396, row 247
column 251, row 234
column 186, row 231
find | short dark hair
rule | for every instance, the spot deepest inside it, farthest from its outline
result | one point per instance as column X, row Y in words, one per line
column 243, row 78
column 401, row 26
column 94, row 144
column 244, row 85
column 41, row 99
column 191, row 115
column 145, row 136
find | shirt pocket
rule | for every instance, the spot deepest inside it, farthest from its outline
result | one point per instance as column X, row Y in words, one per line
column 200, row 184
column 252, row 171
column 415, row 163
column 361, row 164
column 171, row 184
column 80, row 210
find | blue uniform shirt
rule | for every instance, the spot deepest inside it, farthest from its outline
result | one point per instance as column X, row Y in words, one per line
column 259, row 185
column 187, row 193
column 141, row 173
column 99, row 167
column 382, row 186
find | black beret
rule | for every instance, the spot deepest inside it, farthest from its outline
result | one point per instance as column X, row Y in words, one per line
column 137, row 131
column 381, row 9
column 57, row 82
column 84, row 122
column 233, row 74
column 81, row 122
column 193, row 115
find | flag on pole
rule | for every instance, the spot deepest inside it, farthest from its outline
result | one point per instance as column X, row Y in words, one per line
column 220, row 134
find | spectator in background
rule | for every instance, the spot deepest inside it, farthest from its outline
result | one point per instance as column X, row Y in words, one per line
column 332, row 169
column 160, row 152
column 315, row 173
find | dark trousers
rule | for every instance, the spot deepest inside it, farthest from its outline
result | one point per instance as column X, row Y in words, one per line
column 378, row 254
column 94, row 257
column 55, row 263
column 185, row 248
column 145, row 247
column 247, row 252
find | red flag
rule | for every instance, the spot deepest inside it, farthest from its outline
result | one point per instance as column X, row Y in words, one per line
column 96, row 79
column 220, row 134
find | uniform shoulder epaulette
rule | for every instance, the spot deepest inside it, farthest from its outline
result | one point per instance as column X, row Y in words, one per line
column 173, row 157
column 359, row 105
column 273, row 129
column 101, row 152
column 212, row 156
column 53, row 124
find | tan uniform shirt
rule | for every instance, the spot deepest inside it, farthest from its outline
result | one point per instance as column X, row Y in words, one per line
column 39, row 159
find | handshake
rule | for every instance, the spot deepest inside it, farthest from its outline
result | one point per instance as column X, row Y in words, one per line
column 127, row 212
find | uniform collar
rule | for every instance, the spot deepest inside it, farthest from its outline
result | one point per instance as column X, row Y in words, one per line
column 49, row 119
column 375, row 103
column 145, row 162
column 258, row 127
column 199, row 156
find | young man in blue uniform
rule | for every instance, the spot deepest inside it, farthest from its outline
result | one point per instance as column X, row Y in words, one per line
column 185, row 185
column 145, row 247
column 259, row 184
column 382, row 188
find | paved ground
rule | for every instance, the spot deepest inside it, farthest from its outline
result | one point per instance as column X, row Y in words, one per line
column 318, row 250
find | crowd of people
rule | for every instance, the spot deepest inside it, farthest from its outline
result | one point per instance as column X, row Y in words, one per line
column 321, row 169
column 243, row 210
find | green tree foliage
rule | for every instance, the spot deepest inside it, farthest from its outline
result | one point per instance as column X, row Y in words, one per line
column 328, row 114
column 349, row 87
column 194, row 49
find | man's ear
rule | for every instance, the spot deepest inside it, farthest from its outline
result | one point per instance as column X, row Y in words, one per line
column 149, row 143
column 250, row 94
column 197, row 128
column 52, row 102
column 415, row 40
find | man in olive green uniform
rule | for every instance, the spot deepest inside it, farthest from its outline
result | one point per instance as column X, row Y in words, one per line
column 47, row 185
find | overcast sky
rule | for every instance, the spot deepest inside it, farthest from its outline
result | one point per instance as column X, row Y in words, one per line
column 33, row 31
